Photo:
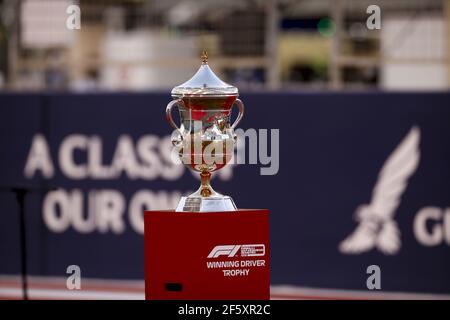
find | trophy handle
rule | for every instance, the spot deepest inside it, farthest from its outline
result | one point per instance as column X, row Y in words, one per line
column 240, row 105
column 169, row 112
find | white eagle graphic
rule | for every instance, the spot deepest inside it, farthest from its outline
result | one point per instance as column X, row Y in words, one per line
column 376, row 225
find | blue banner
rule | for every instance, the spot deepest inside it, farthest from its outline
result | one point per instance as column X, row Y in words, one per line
column 359, row 179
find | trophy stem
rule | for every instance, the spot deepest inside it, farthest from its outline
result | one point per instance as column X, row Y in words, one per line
column 205, row 187
column 205, row 199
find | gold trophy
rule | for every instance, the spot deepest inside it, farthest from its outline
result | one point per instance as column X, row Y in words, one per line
column 205, row 139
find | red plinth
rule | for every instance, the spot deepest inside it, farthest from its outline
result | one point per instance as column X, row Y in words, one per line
column 217, row 255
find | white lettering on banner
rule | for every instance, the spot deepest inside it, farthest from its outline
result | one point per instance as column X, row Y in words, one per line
column 66, row 156
column 56, row 210
column 81, row 223
column 81, row 157
column 104, row 210
column 149, row 159
column 432, row 226
column 124, row 158
column 95, row 166
column 39, row 158
column 110, row 209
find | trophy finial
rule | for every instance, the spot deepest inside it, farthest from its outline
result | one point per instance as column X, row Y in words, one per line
column 204, row 57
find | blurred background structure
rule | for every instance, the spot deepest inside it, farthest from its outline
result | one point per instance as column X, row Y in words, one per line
column 254, row 44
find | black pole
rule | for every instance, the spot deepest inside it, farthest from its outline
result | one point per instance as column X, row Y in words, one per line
column 21, row 192
column 20, row 196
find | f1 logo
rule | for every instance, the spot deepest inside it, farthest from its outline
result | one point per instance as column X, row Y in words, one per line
column 229, row 251
column 247, row 250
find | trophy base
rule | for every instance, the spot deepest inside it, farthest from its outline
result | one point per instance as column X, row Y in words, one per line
column 206, row 204
column 179, row 247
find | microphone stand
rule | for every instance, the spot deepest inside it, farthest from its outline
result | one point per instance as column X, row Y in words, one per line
column 21, row 192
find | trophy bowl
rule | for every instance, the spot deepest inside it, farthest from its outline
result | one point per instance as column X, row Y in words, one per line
column 205, row 138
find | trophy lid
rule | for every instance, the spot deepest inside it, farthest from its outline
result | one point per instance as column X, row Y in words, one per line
column 204, row 83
